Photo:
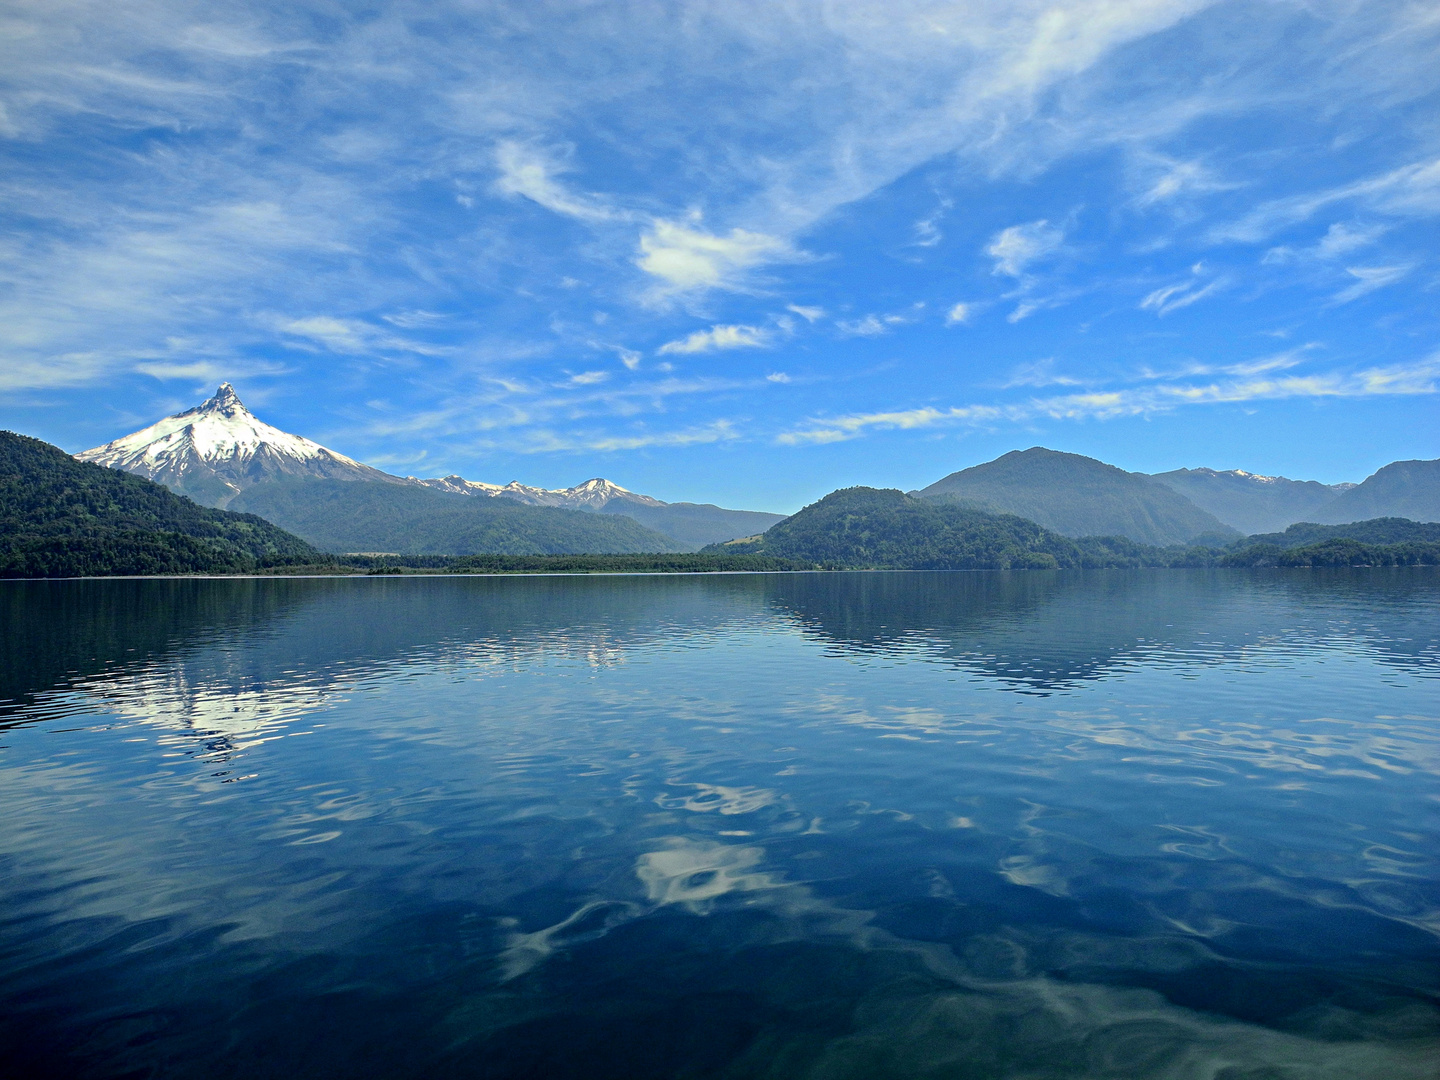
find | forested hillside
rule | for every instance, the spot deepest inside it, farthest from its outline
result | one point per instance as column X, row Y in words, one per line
column 65, row 518
column 1385, row 530
column 868, row 528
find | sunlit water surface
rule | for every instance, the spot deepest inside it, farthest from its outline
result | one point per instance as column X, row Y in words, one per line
column 1122, row 824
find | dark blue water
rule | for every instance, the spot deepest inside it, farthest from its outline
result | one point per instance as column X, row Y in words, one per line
column 1123, row 824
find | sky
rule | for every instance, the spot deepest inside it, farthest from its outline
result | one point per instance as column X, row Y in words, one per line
column 740, row 251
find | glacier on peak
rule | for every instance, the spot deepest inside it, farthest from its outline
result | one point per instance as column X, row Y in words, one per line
column 217, row 449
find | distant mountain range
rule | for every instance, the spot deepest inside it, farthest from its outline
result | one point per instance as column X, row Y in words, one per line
column 1250, row 502
column 689, row 524
column 869, row 528
column 408, row 519
column 219, row 454
column 1405, row 489
column 1079, row 496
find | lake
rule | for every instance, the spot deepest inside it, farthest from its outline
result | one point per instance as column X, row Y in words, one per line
column 854, row 825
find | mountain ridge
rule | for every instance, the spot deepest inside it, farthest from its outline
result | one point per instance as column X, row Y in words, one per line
column 1251, row 502
column 218, row 450
column 1077, row 496
column 1404, row 489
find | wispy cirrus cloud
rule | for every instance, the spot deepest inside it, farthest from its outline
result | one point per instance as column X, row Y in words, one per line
column 1411, row 190
column 1170, row 298
column 1420, row 378
column 1370, row 278
column 684, row 258
column 353, row 336
column 546, row 442
column 720, row 337
column 378, row 204
column 529, row 172
column 1018, row 247
column 1168, row 179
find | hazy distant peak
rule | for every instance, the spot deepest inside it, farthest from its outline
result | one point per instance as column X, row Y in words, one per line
column 1251, row 502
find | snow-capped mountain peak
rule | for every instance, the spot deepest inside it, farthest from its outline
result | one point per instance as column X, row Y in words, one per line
column 215, row 450
column 593, row 494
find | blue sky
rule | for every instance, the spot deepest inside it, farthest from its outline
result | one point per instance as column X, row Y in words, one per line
column 742, row 252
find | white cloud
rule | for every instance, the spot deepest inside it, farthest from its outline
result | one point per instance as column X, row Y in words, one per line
column 1410, row 191
column 1419, row 378
column 548, row 442
column 1341, row 239
column 1171, row 179
column 927, row 230
column 719, row 337
column 353, row 337
column 588, row 378
column 1015, row 248
column 777, row 377
column 208, row 371
column 959, row 314
column 414, row 320
column 809, row 314
column 1174, row 297
column 869, row 326
column 687, row 258
column 528, row 172
column 1368, row 279
column 1039, row 373
column 629, row 357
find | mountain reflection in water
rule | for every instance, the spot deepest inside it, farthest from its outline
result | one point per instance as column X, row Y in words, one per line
column 1148, row 824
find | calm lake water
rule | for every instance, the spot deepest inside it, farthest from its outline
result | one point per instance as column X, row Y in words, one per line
column 1117, row 824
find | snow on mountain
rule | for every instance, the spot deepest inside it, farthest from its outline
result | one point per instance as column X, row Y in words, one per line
column 591, row 495
column 695, row 524
column 1252, row 502
column 217, row 449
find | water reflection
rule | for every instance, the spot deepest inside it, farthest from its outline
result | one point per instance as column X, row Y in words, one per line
column 1028, row 631
column 868, row 825
column 1041, row 632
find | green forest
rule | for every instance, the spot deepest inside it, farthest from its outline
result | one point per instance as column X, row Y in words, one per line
column 64, row 518
column 886, row 529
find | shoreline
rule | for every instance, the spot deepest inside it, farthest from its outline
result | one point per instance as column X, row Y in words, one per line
column 700, row 573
